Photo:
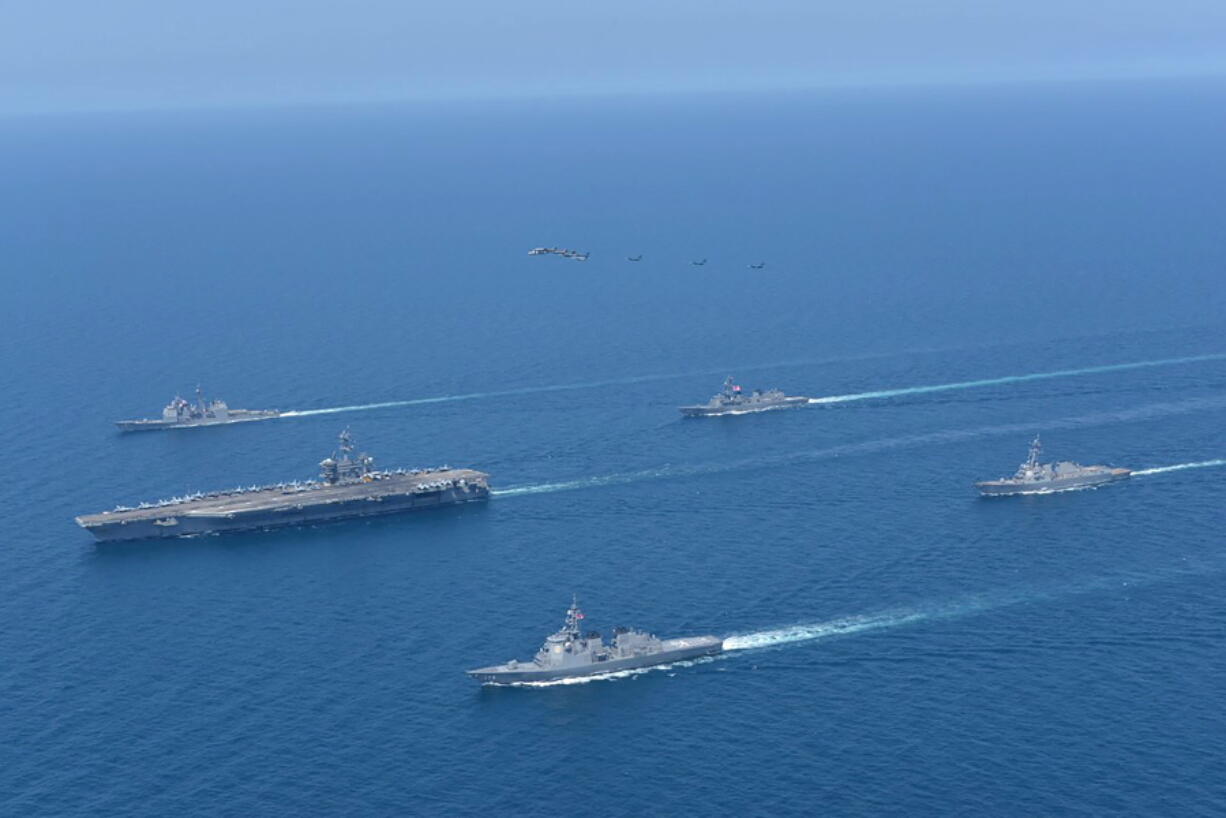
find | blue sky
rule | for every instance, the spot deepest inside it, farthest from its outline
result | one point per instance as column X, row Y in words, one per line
column 150, row 54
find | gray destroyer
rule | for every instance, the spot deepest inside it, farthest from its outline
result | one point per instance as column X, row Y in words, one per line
column 1033, row 477
column 348, row 486
column 181, row 413
column 732, row 400
column 570, row 653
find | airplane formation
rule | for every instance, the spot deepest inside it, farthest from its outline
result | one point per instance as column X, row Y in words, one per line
column 578, row 256
column 558, row 251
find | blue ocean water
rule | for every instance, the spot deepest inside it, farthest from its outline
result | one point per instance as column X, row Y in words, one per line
column 902, row 647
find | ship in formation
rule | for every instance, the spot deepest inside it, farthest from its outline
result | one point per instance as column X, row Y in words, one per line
column 349, row 486
column 572, row 653
column 733, row 400
column 1033, row 477
column 181, row 413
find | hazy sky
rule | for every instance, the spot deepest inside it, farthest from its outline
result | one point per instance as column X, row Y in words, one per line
column 59, row 55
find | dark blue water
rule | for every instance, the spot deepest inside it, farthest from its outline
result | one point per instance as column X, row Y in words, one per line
column 903, row 647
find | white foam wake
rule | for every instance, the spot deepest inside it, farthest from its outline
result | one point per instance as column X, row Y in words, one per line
column 1204, row 464
column 1006, row 379
column 968, row 605
column 591, row 482
column 822, row 630
column 363, row 407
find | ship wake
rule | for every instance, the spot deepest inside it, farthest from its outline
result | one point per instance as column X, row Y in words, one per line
column 1009, row 379
column 1203, row 464
column 1120, row 582
column 886, row 393
column 668, row 471
column 560, row 387
column 966, row 606
column 626, row 478
column 822, row 630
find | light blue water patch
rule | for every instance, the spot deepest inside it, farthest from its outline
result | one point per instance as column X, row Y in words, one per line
column 897, row 643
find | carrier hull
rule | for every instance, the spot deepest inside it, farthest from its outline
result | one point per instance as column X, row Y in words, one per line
column 277, row 507
column 674, row 650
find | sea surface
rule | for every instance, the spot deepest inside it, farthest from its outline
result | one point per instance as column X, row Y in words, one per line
column 1051, row 257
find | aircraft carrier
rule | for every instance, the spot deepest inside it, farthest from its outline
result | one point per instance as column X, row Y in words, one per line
column 571, row 653
column 732, row 400
column 1033, row 477
column 348, row 486
column 181, row 413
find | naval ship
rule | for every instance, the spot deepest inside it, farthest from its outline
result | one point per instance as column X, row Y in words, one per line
column 1033, row 477
column 348, row 486
column 571, row 653
column 732, row 400
column 181, row 413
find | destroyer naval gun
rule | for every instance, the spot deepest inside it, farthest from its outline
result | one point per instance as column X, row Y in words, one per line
column 571, row 653
column 181, row 413
column 348, row 486
column 1033, row 477
column 733, row 400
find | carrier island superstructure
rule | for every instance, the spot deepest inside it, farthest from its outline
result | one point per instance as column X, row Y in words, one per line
column 349, row 486
column 181, row 413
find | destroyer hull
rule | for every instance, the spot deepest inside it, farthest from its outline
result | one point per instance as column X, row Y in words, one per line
column 236, row 416
column 719, row 411
column 675, row 650
column 183, row 520
column 1007, row 488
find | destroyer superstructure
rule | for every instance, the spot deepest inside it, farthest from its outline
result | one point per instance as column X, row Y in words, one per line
column 573, row 653
column 349, row 486
column 181, row 413
column 1033, row 477
column 733, row 400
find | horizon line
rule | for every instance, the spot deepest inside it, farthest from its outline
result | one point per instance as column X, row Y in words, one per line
column 539, row 95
